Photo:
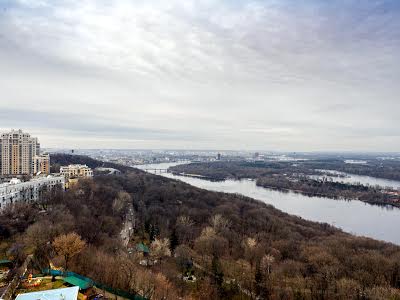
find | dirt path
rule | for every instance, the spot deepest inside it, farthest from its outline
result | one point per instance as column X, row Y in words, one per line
column 127, row 228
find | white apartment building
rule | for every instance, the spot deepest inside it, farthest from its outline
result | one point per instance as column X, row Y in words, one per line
column 29, row 191
column 17, row 152
column 76, row 171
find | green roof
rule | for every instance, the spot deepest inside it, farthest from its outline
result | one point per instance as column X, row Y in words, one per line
column 142, row 248
column 83, row 285
column 5, row 262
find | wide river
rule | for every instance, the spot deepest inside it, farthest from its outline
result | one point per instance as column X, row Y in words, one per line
column 353, row 216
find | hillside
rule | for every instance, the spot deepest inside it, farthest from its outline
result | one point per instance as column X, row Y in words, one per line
column 236, row 247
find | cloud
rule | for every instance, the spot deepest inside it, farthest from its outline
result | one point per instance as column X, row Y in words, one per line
column 79, row 123
column 210, row 73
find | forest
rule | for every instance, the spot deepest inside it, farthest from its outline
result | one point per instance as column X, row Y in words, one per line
column 203, row 244
column 221, row 170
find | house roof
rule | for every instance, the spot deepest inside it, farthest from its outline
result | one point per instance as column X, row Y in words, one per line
column 82, row 284
column 5, row 262
column 56, row 294
column 142, row 248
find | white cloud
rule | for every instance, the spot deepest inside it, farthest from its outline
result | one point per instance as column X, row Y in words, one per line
column 226, row 71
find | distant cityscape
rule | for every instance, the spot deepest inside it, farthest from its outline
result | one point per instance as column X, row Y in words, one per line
column 132, row 157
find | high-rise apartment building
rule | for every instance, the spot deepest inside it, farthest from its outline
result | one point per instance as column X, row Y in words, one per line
column 41, row 164
column 17, row 152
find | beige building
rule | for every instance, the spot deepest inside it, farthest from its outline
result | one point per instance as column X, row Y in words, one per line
column 76, row 171
column 17, row 152
column 42, row 164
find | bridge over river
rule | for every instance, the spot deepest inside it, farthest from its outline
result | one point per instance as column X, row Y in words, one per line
column 156, row 171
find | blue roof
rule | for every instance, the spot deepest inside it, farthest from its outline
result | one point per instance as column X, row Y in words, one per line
column 56, row 294
column 142, row 248
column 5, row 262
column 82, row 284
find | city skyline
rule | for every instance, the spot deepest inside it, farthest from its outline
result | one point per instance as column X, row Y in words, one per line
column 248, row 75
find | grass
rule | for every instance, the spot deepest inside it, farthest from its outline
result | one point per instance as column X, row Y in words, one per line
column 46, row 284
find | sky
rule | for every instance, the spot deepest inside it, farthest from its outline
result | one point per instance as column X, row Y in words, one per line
column 287, row 75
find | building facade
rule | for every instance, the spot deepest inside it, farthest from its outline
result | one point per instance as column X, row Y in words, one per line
column 76, row 171
column 41, row 164
column 29, row 191
column 17, row 152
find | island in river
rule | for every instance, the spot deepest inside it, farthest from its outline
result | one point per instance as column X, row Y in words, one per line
column 299, row 177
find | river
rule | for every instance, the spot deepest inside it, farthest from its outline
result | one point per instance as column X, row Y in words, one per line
column 353, row 216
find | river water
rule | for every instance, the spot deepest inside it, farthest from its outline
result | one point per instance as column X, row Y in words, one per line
column 353, row 216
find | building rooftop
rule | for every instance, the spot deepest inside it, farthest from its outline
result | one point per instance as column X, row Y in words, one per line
column 76, row 281
column 15, row 181
column 142, row 248
column 75, row 166
column 56, row 294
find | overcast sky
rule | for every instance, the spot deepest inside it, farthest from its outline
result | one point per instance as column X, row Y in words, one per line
column 202, row 74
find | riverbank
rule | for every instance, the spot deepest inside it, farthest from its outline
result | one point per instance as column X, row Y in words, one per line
column 331, row 189
column 309, row 194
column 356, row 217
column 228, row 234
column 283, row 177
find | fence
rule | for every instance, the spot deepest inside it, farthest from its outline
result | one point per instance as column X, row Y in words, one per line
column 10, row 290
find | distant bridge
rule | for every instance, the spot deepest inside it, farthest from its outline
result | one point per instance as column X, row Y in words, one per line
column 156, row 171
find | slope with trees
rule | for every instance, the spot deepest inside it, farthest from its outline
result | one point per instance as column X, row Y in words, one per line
column 235, row 247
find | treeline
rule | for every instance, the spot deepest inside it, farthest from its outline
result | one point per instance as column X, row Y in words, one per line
column 239, row 170
column 60, row 159
column 387, row 169
column 326, row 188
column 236, row 247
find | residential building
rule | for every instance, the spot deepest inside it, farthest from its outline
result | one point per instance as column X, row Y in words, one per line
column 17, row 152
column 69, row 293
column 42, row 164
column 29, row 191
column 76, row 171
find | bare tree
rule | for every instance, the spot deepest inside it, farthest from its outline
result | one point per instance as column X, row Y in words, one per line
column 250, row 248
column 68, row 245
column 266, row 263
column 160, row 248
column 219, row 223
column 121, row 202
column 185, row 221
column 184, row 228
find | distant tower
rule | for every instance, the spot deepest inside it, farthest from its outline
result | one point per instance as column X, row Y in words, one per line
column 72, row 151
column 219, row 156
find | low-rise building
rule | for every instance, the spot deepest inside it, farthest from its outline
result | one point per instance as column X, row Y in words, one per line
column 69, row 293
column 28, row 191
column 76, row 171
